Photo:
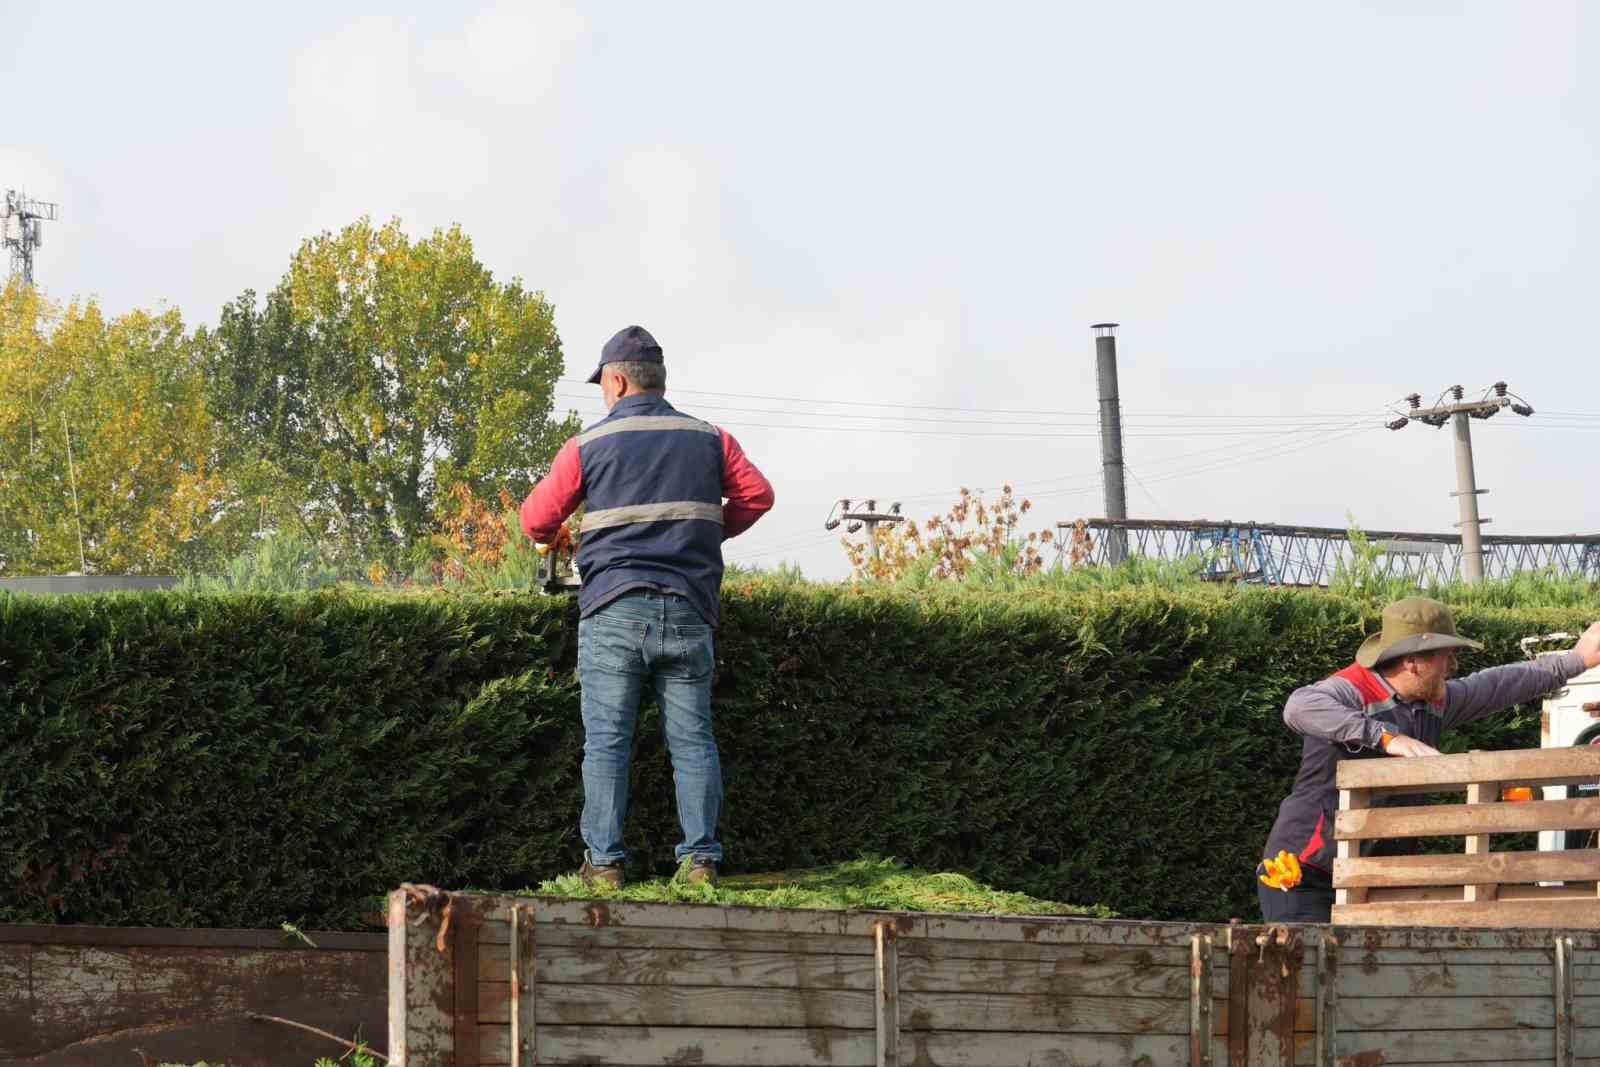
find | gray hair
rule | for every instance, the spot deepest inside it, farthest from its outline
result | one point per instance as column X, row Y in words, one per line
column 650, row 376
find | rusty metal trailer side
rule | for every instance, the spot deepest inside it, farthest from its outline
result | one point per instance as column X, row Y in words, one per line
column 75, row 996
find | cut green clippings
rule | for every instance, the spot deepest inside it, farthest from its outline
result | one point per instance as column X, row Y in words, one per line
column 867, row 883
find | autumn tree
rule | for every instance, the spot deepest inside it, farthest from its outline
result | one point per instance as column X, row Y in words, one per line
column 377, row 375
column 975, row 538
column 108, row 460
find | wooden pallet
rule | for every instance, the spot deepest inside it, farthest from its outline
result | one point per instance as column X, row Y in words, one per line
column 1476, row 887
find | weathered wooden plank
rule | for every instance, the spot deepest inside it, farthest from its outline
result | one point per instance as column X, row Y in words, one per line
column 1439, row 774
column 1508, row 891
column 1351, row 801
column 565, row 935
column 1033, row 928
column 1451, row 1046
column 1056, row 930
column 670, row 1005
column 1522, row 914
column 1453, row 870
column 592, row 914
column 638, row 1046
column 967, row 1049
column 1463, row 819
column 1354, row 954
column 1478, row 844
column 1444, row 981
column 164, row 937
column 648, row 1046
column 643, row 966
column 64, row 1003
column 1460, row 1012
column 1045, row 1014
column 834, row 945
column 421, row 989
column 1071, row 975
column 1422, row 938
column 1135, row 958
column 1069, row 979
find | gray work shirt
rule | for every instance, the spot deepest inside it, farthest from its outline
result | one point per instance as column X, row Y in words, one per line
column 1346, row 715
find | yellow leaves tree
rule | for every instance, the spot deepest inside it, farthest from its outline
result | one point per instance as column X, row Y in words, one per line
column 107, row 452
column 380, row 373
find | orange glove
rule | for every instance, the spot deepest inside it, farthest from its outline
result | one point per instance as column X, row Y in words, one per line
column 1282, row 873
column 562, row 539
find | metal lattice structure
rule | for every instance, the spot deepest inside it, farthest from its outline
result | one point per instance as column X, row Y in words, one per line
column 20, row 225
column 1273, row 554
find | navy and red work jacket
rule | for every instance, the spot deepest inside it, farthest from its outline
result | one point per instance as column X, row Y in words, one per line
column 653, row 481
column 1345, row 717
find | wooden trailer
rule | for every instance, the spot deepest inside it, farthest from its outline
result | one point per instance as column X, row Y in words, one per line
column 492, row 980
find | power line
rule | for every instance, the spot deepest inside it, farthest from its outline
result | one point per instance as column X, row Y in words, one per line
column 968, row 409
column 1233, row 421
column 792, row 542
column 812, row 427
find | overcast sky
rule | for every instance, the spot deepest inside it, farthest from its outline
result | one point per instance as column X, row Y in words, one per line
column 872, row 238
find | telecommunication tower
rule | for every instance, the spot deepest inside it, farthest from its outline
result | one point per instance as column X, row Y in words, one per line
column 20, row 225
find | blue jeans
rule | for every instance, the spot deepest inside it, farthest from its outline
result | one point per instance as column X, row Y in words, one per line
column 646, row 637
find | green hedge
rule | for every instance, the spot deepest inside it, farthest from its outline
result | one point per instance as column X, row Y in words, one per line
column 241, row 760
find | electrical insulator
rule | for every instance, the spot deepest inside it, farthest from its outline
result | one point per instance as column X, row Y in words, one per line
column 1522, row 409
column 1457, row 392
column 1415, row 400
column 1499, row 388
column 1398, row 424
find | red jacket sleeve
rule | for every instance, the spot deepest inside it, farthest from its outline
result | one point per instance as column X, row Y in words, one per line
column 749, row 494
column 556, row 496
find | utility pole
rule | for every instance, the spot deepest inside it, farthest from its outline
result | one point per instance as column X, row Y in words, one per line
column 1467, row 492
column 23, row 235
column 1105, row 367
column 870, row 517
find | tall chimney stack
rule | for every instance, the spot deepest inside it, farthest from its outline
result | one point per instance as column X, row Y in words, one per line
column 1105, row 367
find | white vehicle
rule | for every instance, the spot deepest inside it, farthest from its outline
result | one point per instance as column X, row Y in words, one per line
column 1571, row 717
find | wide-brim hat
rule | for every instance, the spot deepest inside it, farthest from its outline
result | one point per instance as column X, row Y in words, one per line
column 1415, row 624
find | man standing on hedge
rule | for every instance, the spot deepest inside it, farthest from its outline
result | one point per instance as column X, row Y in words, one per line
column 653, row 482
column 1396, row 699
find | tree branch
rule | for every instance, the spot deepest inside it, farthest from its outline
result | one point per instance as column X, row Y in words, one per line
column 351, row 1045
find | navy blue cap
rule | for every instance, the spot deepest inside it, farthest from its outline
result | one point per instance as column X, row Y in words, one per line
column 631, row 345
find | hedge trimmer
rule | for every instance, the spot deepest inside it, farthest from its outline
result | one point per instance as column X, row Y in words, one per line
column 551, row 577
